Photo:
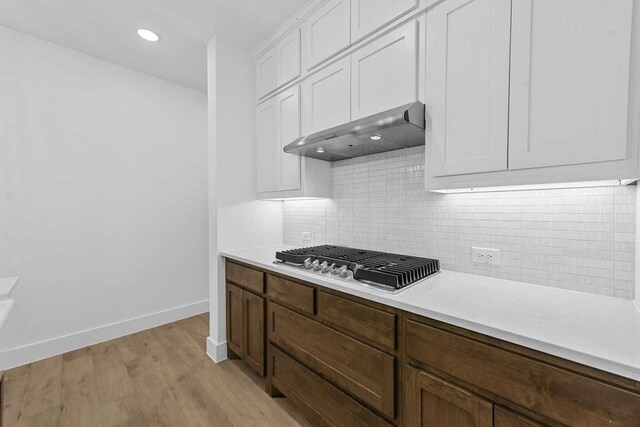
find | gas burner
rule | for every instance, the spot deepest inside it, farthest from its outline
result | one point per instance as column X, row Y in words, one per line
column 390, row 271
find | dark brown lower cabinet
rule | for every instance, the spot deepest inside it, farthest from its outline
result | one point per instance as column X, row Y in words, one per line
column 504, row 418
column 235, row 320
column 347, row 361
column 433, row 402
column 245, row 327
column 254, row 331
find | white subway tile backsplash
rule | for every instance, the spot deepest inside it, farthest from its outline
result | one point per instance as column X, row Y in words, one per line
column 581, row 239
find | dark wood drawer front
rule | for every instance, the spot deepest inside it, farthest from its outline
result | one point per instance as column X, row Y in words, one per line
column 505, row 418
column 549, row 391
column 290, row 293
column 321, row 400
column 364, row 321
column 246, row 277
column 361, row 370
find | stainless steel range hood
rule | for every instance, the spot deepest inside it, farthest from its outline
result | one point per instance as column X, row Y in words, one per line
column 394, row 129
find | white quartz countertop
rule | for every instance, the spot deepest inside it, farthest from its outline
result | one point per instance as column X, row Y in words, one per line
column 597, row 331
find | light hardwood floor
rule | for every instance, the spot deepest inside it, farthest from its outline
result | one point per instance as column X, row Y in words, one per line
column 159, row 377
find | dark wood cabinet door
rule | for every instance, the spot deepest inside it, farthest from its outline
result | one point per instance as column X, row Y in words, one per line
column 254, row 331
column 505, row 418
column 235, row 320
column 433, row 402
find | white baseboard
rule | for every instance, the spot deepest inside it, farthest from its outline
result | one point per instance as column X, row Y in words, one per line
column 41, row 350
column 217, row 352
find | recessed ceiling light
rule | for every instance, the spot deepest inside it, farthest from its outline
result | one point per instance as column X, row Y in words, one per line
column 148, row 35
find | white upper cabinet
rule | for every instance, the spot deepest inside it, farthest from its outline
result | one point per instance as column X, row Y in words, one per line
column 468, row 86
column 267, row 146
column 282, row 175
column 384, row 73
column 370, row 15
column 278, row 124
column 326, row 32
column 326, row 99
column 279, row 65
column 570, row 64
column 532, row 92
column 288, row 58
column 266, row 74
column 288, row 123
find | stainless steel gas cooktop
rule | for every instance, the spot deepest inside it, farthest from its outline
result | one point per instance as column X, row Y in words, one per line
column 389, row 271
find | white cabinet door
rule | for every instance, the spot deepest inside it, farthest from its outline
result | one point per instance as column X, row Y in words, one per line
column 288, row 122
column 369, row 15
column 267, row 154
column 327, row 32
column 326, row 98
column 570, row 63
column 384, row 73
column 288, row 58
column 468, row 86
column 266, row 78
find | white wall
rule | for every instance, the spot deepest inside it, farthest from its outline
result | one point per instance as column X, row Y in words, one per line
column 637, row 255
column 242, row 221
column 103, row 199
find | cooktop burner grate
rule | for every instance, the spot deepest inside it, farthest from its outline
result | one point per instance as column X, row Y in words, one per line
column 393, row 270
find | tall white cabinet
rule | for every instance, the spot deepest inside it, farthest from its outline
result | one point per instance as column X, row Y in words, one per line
column 327, row 32
column 531, row 92
column 468, row 85
column 384, row 73
column 278, row 123
column 326, row 98
column 570, row 68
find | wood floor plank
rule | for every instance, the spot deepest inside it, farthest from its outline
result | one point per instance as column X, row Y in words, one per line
column 44, row 386
column 184, row 344
column 199, row 405
column 197, row 327
column 111, row 373
column 81, row 404
column 158, row 377
column 171, row 357
column 123, row 412
column 76, row 354
column 161, row 409
column 15, row 384
column 49, row 418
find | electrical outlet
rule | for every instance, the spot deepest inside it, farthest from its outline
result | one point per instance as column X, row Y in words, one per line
column 485, row 256
column 306, row 236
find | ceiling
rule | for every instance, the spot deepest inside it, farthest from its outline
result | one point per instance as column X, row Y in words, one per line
column 107, row 29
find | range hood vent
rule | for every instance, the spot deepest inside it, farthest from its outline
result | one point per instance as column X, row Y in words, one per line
column 401, row 127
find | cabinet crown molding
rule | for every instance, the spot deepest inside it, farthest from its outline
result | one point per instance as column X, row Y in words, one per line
column 290, row 24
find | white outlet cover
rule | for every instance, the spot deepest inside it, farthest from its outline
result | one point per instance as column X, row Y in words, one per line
column 306, row 235
column 485, row 256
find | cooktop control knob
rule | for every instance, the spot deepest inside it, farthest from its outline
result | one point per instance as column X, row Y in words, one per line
column 315, row 265
column 343, row 271
column 307, row 263
column 333, row 269
column 325, row 267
